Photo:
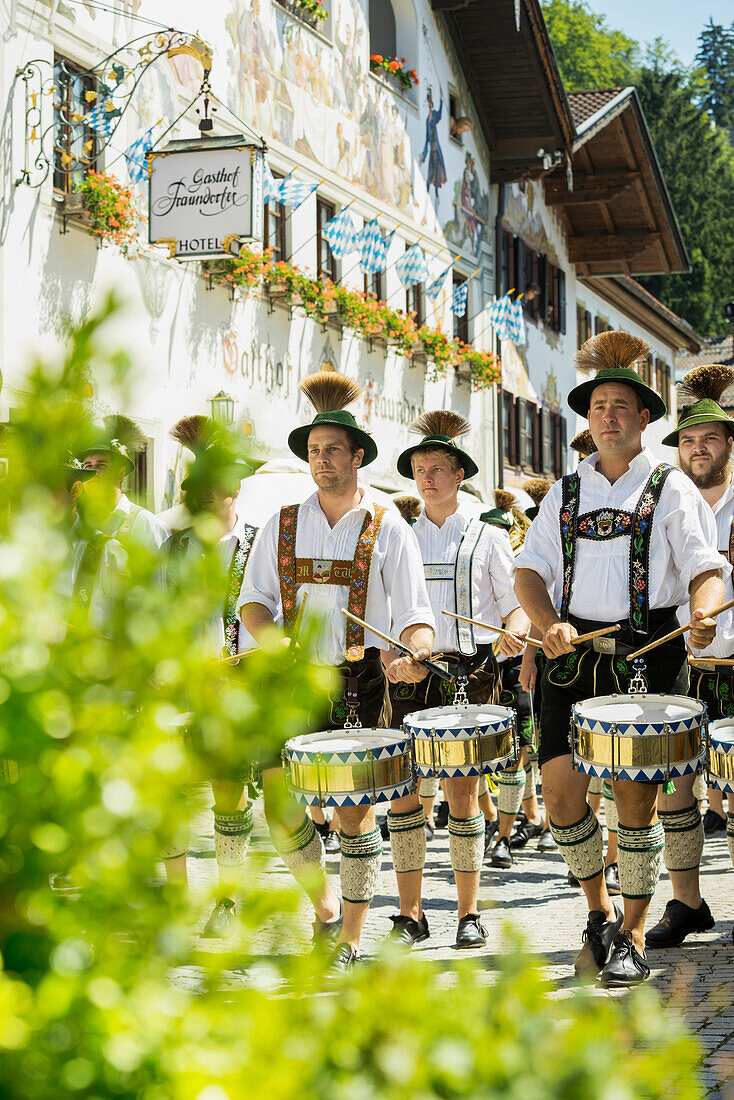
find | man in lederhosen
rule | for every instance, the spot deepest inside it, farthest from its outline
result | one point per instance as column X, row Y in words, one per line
column 375, row 570
column 703, row 436
column 211, row 486
column 108, row 453
column 623, row 540
column 468, row 566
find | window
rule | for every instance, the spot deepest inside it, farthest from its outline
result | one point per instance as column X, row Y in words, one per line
column 415, row 302
column 325, row 262
column 458, row 123
column 274, row 221
column 136, row 483
column 73, row 139
column 375, row 284
column 646, row 370
column 509, row 429
column 528, row 420
column 509, row 261
column 461, row 324
column 546, row 441
column 383, row 36
column 556, row 309
column 559, row 444
column 662, row 380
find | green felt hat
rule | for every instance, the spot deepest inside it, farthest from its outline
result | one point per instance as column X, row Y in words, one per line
column 579, row 398
column 705, row 411
column 330, row 392
column 298, row 439
column 118, row 436
column 439, row 430
column 497, row 518
column 531, row 513
column 217, row 463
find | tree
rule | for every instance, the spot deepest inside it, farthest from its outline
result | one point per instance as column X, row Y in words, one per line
column 698, row 167
column 590, row 54
column 716, row 56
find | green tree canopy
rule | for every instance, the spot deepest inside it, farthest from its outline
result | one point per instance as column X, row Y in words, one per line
column 716, row 57
column 590, row 53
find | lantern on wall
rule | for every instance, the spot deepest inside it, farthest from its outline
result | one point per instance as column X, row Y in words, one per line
column 222, row 408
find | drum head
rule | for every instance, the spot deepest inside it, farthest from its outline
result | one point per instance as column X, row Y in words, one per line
column 721, row 735
column 346, row 742
column 641, row 714
column 455, row 719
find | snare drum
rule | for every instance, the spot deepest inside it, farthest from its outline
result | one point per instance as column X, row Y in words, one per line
column 721, row 755
column 349, row 767
column 469, row 740
column 649, row 738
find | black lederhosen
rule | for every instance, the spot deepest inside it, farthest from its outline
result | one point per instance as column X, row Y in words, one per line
column 715, row 688
column 586, row 674
column 435, row 692
column 362, row 681
column 512, row 695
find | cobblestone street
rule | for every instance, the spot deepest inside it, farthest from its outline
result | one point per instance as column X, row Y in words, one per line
column 535, row 897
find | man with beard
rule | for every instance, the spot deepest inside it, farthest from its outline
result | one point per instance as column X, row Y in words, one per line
column 704, row 440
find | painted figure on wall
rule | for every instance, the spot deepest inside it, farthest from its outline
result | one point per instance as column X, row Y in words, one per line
column 436, row 177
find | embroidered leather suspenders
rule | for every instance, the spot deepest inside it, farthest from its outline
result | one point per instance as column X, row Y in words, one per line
column 353, row 575
column 234, row 584
column 460, row 572
column 610, row 523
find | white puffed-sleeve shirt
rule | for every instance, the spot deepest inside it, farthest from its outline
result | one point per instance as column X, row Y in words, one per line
column 396, row 589
column 682, row 546
column 723, row 643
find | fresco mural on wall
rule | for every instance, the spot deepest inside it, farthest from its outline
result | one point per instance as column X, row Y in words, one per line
column 524, row 219
column 467, row 229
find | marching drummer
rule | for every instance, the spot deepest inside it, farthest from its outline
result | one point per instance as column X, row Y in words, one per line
column 468, row 566
column 703, row 436
column 375, row 570
column 624, row 541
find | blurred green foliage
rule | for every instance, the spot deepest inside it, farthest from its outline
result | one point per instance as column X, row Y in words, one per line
column 104, row 991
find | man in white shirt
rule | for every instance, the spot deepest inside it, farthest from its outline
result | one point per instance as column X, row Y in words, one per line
column 625, row 541
column 211, row 486
column 108, row 453
column 370, row 561
column 469, row 570
column 704, row 436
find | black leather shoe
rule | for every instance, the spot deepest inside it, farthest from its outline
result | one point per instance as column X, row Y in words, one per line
column 343, row 961
column 611, row 877
column 408, row 931
column 597, row 942
column 626, row 965
column 384, row 830
column 713, row 823
column 326, row 934
column 470, row 932
column 572, row 880
column 441, row 816
column 547, row 842
column 677, row 922
column 490, row 828
column 329, row 838
column 222, row 921
column 524, row 832
column 501, row 854
column 428, row 829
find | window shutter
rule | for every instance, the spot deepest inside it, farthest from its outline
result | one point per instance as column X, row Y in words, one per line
column 561, row 300
column 564, row 452
column 537, row 439
column 522, row 421
column 521, row 282
column 547, row 464
column 587, row 326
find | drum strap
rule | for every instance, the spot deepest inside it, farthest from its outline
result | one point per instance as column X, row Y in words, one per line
column 234, row 584
column 470, row 540
column 360, row 573
column 127, row 521
column 731, row 542
column 86, row 576
column 612, row 524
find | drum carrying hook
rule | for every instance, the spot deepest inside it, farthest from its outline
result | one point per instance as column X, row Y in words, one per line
column 638, row 683
column 461, row 699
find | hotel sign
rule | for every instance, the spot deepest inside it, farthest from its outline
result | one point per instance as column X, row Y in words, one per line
column 200, row 194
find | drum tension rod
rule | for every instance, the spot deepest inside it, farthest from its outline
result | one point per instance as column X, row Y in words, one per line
column 667, row 731
column 371, row 760
column 319, row 765
column 614, row 731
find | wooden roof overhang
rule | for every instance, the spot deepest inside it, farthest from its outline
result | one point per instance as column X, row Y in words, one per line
column 514, row 82
column 618, row 216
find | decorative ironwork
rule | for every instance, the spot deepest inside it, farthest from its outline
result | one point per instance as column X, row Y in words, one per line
column 108, row 89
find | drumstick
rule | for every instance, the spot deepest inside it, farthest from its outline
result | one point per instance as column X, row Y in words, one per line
column 291, row 643
column 676, row 633
column 711, row 660
column 596, row 634
column 406, row 652
column 497, row 629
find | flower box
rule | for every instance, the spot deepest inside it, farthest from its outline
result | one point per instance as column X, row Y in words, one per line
column 277, row 290
column 312, row 13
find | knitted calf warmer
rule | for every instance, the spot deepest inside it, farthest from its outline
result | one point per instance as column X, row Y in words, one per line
column 699, row 787
column 483, row 787
column 360, row 865
column 595, row 785
column 730, row 836
column 407, row 840
column 179, row 844
column 537, row 778
column 581, row 846
column 511, row 788
column 301, row 850
column 466, row 842
column 428, row 787
column 610, row 808
column 231, row 836
column 640, row 856
column 683, row 838
column 529, row 789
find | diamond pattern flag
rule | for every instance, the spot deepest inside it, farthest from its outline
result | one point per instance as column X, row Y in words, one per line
column 517, row 323
column 293, row 192
column 271, row 186
column 459, row 298
column 435, row 287
column 136, row 153
column 499, row 315
column 371, row 248
column 102, row 120
column 341, row 233
column 412, row 267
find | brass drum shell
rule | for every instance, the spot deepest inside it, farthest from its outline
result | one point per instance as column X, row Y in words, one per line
column 471, row 751
column 721, row 765
column 316, row 777
column 637, row 751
